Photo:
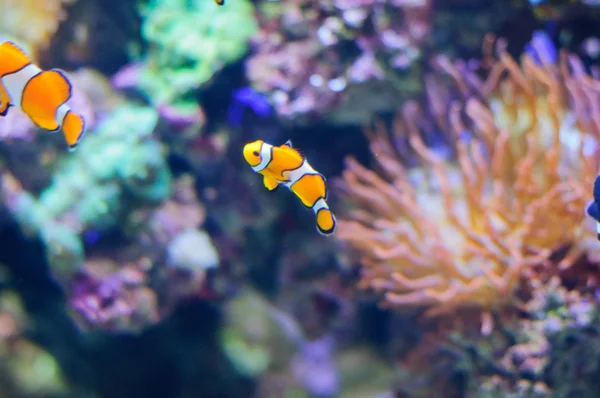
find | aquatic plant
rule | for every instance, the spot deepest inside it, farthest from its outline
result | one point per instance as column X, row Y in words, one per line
column 459, row 224
column 309, row 54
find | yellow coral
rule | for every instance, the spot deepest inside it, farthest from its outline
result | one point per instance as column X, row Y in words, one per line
column 461, row 231
column 31, row 22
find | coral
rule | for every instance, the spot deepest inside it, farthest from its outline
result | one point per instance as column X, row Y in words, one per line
column 115, row 296
column 506, row 188
column 31, row 23
column 255, row 337
column 548, row 350
column 119, row 167
column 189, row 41
column 139, row 284
column 308, row 54
column 192, row 249
column 25, row 368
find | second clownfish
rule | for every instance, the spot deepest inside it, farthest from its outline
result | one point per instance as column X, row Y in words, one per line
column 42, row 95
column 284, row 165
column 220, row 2
column 593, row 210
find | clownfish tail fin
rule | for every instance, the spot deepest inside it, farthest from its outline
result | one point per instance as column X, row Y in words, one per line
column 326, row 221
column 74, row 129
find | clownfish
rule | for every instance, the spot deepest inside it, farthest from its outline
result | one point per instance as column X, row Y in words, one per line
column 42, row 95
column 219, row 2
column 594, row 207
column 284, row 165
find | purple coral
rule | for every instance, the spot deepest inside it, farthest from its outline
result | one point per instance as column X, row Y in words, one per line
column 314, row 367
column 120, row 300
column 310, row 52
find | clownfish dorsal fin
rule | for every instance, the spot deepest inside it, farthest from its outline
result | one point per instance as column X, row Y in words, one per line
column 15, row 51
column 62, row 87
column 13, row 58
column 288, row 143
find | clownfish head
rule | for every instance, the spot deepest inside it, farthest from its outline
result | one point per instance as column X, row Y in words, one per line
column 252, row 153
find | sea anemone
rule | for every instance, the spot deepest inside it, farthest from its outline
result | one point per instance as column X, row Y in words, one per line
column 505, row 190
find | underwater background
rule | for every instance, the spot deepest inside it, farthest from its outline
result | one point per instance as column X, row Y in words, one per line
column 460, row 143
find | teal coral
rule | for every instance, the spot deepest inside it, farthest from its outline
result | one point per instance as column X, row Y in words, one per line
column 189, row 41
column 118, row 168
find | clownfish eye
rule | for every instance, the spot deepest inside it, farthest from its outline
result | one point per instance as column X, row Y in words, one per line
column 255, row 153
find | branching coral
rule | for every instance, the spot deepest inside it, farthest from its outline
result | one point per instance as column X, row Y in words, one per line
column 461, row 230
column 31, row 22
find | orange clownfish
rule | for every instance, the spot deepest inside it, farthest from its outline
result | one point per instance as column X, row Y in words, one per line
column 42, row 95
column 220, row 2
column 284, row 165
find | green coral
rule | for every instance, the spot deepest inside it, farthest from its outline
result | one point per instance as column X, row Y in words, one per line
column 189, row 41
column 118, row 168
column 253, row 336
column 120, row 160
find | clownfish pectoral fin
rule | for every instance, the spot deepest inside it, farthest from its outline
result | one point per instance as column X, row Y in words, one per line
column 288, row 143
column 325, row 221
column 74, row 129
column 270, row 183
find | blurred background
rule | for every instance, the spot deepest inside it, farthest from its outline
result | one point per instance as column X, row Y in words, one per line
column 460, row 143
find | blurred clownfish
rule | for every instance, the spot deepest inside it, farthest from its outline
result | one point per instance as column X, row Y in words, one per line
column 594, row 207
column 220, row 2
column 285, row 165
column 42, row 95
